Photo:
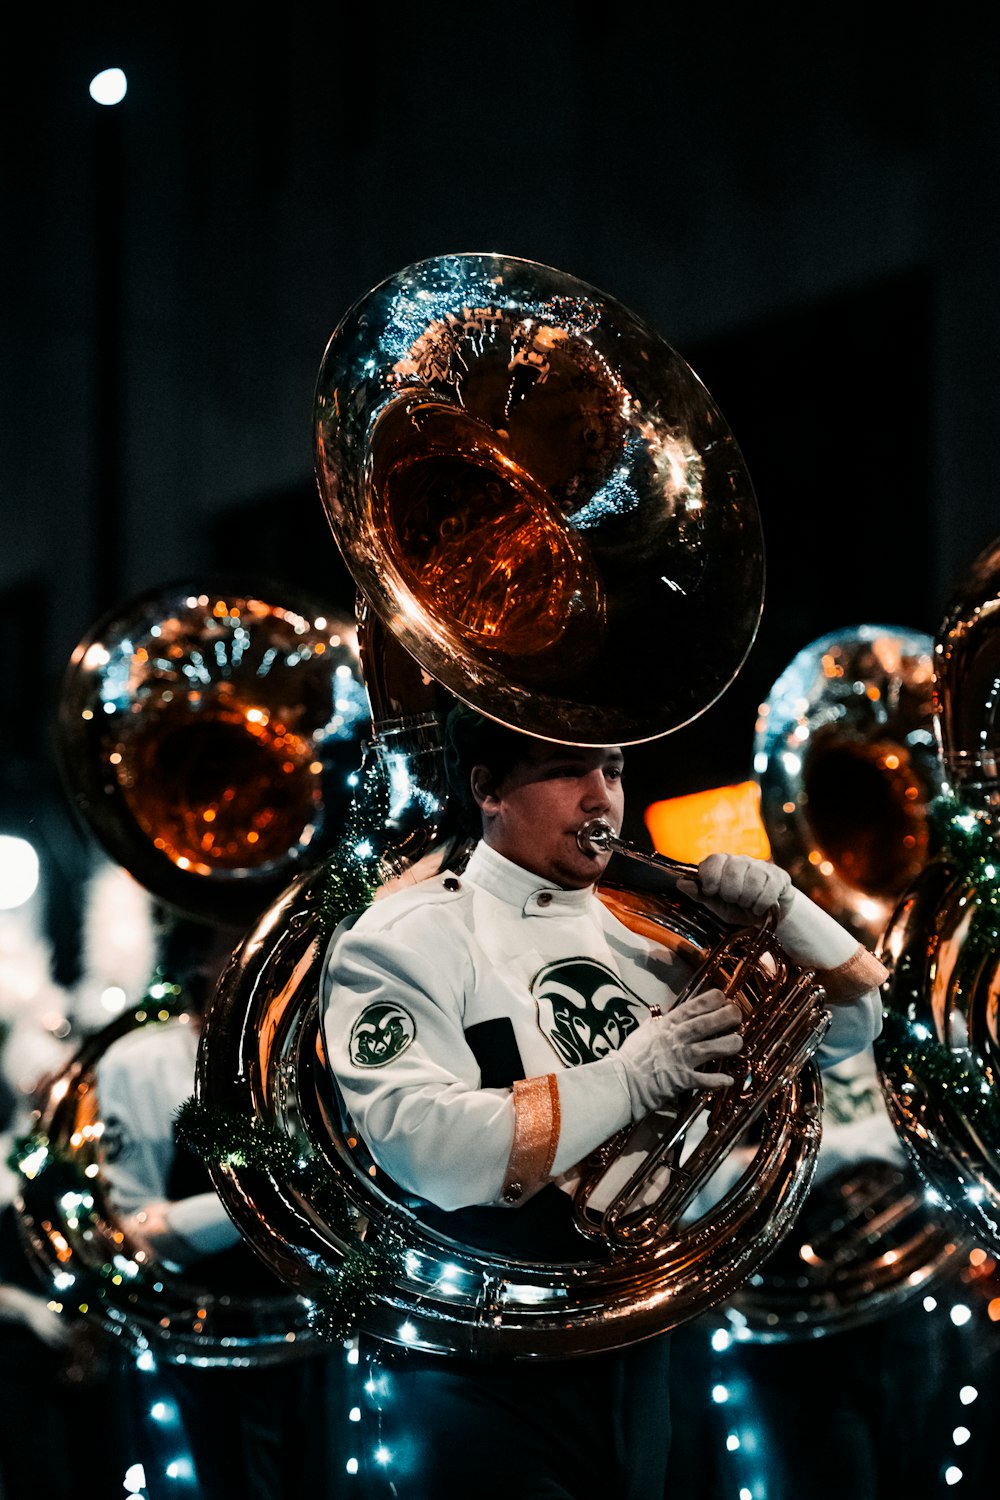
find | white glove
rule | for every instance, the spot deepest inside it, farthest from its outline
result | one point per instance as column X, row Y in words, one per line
column 668, row 1056
column 735, row 887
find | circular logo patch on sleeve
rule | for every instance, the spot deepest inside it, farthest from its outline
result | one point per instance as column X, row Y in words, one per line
column 380, row 1034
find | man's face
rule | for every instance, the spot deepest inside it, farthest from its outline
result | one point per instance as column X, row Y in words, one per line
column 533, row 815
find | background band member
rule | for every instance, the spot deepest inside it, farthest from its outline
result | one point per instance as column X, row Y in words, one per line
column 269, row 1431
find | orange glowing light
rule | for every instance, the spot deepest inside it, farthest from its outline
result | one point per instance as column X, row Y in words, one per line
column 993, row 1310
column 724, row 819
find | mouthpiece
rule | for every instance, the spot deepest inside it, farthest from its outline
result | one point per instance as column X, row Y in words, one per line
column 596, row 837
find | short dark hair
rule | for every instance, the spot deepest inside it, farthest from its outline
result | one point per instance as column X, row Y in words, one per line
column 471, row 739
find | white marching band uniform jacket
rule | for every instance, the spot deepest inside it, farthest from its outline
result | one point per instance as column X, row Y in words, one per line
column 142, row 1080
column 424, row 990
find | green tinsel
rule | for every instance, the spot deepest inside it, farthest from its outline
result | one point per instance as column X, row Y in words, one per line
column 948, row 1074
column 25, row 1146
column 354, row 1286
column 353, row 871
column 347, row 887
column 969, row 840
column 968, row 835
column 220, row 1136
column 230, row 1139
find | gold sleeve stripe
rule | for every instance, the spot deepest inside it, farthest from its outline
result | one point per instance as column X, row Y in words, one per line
column 536, row 1136
column 861, row 972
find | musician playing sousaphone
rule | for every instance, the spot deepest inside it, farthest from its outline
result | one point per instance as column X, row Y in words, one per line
column 487, row 1030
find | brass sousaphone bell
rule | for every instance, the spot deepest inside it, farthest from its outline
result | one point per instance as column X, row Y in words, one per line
column 544, row 508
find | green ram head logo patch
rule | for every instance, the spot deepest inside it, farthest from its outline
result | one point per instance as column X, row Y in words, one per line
column 380, row 1034
column 584, row 1009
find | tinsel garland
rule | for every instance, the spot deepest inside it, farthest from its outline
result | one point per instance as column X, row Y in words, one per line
column 353, row 872
column 946, row 1073
column 229, row 1139
column 91, row 1282
column 361, row 1277
column 968, row 838
column 968, row 834
column 162, row 1001
column 226, row 1138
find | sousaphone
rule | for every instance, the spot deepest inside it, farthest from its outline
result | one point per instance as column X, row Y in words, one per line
column 546, row 512
column 208, row 735
column 848, row 766
column 938, row 1055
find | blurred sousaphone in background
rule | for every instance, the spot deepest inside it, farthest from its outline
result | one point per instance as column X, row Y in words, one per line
column 846, row 759
column 875, row 1231
column 528, row 485
column 938, row 1055
column 208, row 736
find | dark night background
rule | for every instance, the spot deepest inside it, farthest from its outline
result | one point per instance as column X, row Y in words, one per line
column 805, row 208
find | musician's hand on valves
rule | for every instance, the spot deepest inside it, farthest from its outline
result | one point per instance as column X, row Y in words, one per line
column 736, row 887
column 680, row 1050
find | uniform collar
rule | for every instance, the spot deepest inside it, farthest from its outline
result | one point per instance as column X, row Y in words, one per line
column 530, row 893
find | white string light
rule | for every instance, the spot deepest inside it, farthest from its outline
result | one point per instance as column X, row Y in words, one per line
column 19, row 871
column 109, row 86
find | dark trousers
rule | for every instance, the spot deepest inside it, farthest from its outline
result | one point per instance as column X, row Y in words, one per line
column 437, row 1428
column 865, row 1414
column 278, row 1432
